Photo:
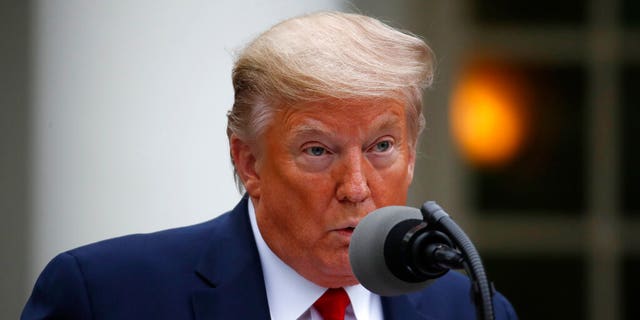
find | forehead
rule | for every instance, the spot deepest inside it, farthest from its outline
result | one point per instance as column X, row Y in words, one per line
column 342, row 115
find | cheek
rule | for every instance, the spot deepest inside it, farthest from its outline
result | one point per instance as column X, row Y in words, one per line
column 301, row 197
column 297, row 209
column 390, row 186
column 313, row 194
column 304, row 183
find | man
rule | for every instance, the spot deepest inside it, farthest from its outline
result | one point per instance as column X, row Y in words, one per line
column 323, row 130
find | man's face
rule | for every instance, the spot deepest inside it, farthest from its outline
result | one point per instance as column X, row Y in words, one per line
column 321, row 168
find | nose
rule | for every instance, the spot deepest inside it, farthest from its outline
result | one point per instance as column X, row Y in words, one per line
column 353, row 186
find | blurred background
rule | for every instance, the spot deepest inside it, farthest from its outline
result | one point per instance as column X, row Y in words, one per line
column 112, row 121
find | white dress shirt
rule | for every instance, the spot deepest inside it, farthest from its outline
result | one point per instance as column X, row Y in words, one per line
column 291, row 296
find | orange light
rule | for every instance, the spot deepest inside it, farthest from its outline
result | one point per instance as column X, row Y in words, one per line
column 487, row 119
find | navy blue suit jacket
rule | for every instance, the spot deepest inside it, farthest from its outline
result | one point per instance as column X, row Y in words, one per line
column 206, row 271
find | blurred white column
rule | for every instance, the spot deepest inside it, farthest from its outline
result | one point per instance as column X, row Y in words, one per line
column 129, row 114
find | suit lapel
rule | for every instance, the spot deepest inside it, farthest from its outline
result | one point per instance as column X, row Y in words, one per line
column 402, row 308
column 231, row 267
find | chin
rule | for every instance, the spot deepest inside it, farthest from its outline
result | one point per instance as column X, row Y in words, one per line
column 337, row 281
column 339, row 277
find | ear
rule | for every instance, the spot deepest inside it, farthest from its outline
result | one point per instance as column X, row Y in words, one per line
column 244, row 159
column 412, row 164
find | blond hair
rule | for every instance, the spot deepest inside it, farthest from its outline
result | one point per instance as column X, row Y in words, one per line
column 327, row 56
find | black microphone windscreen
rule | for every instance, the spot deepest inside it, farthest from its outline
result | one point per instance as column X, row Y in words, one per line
column 366, row 251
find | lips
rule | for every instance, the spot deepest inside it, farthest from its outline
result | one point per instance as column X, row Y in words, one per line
column 348, row 231
column 347, row 226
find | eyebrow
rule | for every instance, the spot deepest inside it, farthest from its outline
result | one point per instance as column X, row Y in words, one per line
column 314, row 127
column 387, row 123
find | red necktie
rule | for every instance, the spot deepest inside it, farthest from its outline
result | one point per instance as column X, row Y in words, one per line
column 333, row 304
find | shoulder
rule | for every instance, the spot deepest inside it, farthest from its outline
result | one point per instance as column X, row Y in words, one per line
column 135, row 256
column 156, row 245
column 177, row 245
column 450, row 297
column 147, row 271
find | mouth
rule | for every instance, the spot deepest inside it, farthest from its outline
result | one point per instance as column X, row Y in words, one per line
column 346, row 231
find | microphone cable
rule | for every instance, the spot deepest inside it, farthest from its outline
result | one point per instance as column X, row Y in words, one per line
column 482, row 289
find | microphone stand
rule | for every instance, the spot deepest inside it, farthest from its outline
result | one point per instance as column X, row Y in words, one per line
column 482, row 290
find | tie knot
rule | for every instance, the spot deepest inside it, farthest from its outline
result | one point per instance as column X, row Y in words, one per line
column 332, row 304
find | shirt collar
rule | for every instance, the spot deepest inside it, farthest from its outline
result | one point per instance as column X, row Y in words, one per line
column 290, row 295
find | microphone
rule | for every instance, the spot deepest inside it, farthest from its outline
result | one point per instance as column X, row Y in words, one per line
column 394, row 251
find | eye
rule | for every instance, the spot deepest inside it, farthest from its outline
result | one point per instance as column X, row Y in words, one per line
column 382, row 146
column 315, row 151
